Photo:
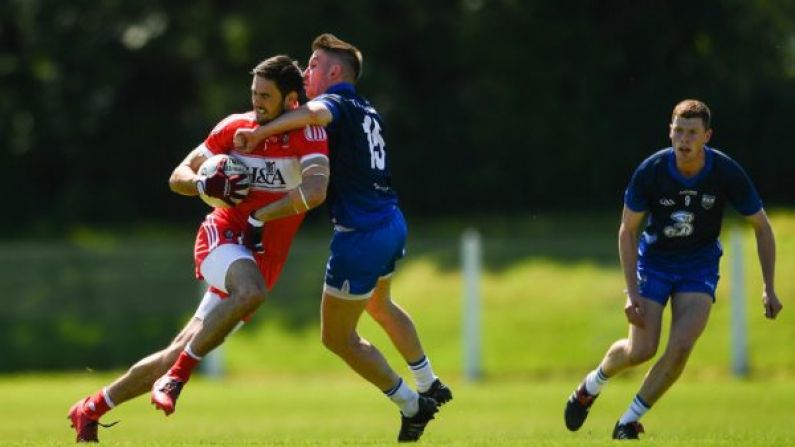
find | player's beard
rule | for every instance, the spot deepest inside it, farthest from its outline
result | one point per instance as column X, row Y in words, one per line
column 261, row 118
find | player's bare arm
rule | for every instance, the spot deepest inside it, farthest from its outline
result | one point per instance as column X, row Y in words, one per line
column 309, row 194
column 313, row 113
column 766, row 249
column 183, row 179
column 628, row 232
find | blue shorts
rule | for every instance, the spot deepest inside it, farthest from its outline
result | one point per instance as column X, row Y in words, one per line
column 659, row 284
column 360, row 257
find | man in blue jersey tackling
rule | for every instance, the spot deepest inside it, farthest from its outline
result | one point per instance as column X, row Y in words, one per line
column 679, row 193
column 369, row 232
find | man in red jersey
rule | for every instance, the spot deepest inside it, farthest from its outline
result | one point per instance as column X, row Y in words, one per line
column 288, row 175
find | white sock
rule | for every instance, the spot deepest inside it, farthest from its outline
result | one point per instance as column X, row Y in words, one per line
column 423, row 373
column 636, row 409
column 405, row 398
column 594, row 381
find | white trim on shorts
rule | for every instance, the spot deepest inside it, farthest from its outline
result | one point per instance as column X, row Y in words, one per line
column 207, row 304
column 345, row 294
column 217, row 262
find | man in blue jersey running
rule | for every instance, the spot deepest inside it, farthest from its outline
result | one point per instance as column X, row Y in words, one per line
column 683, row 190
column 369, row 232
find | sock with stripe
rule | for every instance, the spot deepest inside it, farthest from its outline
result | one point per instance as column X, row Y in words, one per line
column 184, row 365
column 423, row 373
column 636, row 410
column 98, row 404
column 404, row 397
column 594, row 381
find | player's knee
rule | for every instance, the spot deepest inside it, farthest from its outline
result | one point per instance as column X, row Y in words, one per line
column 640, row 353
column 251, row 296
column 335, row 342
column 680, row 351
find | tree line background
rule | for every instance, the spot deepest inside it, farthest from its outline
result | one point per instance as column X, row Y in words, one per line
column 492, row 106
column 502, row 108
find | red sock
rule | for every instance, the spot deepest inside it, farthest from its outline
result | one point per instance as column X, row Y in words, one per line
column 96, row 405
column 183, row 366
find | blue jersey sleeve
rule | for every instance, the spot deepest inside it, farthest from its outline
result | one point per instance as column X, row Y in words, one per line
column 635, row 197
column 740, row 190
column 332, row 103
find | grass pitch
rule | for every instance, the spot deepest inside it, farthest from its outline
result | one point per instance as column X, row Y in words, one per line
column 343, row 410
column 552, row 304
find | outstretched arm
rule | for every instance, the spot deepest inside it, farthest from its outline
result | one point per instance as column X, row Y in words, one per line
column 766, row 249
column 628, row 252
column 309, row 194
column 313, row 113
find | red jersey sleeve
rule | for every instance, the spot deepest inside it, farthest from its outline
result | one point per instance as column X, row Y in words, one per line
column 220, row 140
column 309, row 141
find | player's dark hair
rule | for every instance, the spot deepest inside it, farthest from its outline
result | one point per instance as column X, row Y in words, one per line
column 285, row 73
column 349, row 55
column 693, row 108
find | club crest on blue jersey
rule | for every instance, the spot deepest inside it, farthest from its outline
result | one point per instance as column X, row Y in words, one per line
column 707, row 201
column 683, row 224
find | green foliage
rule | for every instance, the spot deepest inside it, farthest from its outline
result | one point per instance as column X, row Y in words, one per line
column 90, row 303
column 551, row 297
column 102, row 99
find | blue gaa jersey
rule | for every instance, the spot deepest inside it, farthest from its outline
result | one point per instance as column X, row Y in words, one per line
column 685, row 214
column 360, row 194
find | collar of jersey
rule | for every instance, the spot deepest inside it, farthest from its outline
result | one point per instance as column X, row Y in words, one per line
column 342, row 87
column 690, row 181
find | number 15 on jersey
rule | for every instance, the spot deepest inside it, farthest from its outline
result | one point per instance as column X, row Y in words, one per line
column 376, row 142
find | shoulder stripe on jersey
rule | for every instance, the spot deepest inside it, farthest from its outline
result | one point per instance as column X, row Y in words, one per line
column 204, row 150
column 315, row 133
column 248, row 116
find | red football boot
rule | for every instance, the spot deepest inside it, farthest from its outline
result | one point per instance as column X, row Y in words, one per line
column 84, row 424
column 165, row 392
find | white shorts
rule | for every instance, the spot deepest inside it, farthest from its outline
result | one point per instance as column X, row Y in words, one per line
column 217, row 262
column 208, row 303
